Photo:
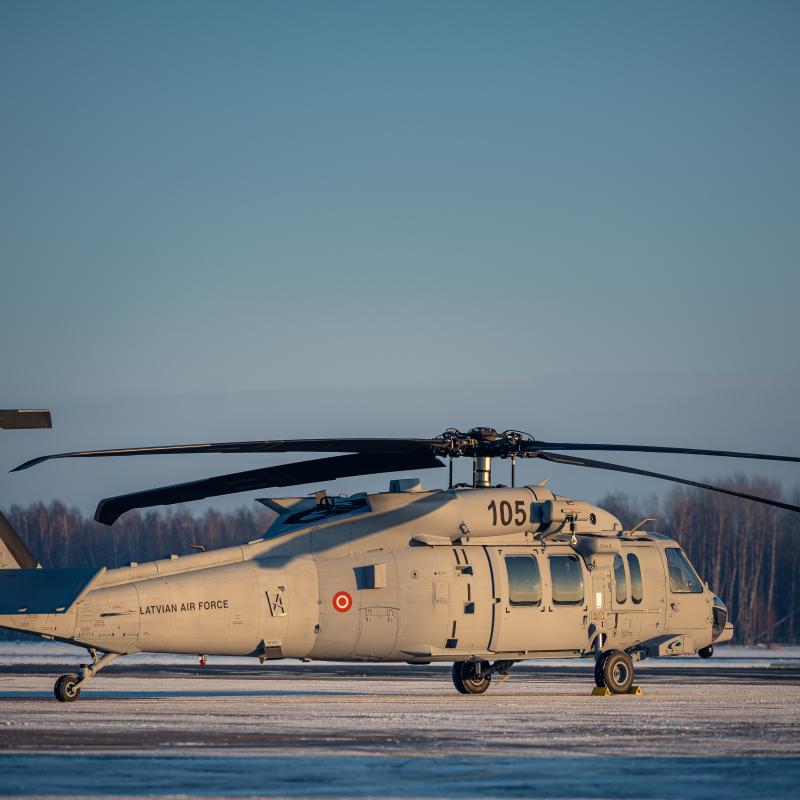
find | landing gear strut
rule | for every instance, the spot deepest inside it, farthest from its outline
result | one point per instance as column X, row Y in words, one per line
column 67, row 688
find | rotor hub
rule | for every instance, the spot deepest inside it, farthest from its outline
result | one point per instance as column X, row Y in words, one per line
column 485, row 442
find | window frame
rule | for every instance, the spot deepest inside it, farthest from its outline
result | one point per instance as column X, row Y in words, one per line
column 523, row 603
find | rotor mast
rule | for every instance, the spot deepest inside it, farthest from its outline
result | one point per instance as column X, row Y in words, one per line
column 482, row 460
column 483, row 445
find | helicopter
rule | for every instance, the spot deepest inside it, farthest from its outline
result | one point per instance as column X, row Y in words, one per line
column 482, row 575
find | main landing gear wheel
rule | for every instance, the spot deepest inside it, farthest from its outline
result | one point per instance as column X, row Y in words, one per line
column 706, row 652
column 615, row 670
column 66, row 689
column 598, row 671
column 471, row 677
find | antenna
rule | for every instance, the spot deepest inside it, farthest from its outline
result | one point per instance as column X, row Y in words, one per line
column 639, row 524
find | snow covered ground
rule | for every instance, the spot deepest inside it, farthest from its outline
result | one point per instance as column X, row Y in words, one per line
column 162, row 726
column 41, row 651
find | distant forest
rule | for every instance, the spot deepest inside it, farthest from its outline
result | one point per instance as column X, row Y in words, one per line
column 749, row 553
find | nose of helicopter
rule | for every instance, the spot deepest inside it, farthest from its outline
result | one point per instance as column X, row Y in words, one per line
column 721, row 629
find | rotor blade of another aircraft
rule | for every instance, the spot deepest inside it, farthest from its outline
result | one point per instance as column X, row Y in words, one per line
column 18, row 418
column 372, row 446
column 557, row 458
column 630, row 448
column 323, row 469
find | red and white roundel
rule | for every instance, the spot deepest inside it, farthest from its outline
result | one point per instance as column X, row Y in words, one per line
column 342, row 601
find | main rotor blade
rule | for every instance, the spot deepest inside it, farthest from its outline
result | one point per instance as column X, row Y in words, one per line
column 586, row 462
column 323, row 469
column 19, row 418
column 631, row 448
column 372, row 446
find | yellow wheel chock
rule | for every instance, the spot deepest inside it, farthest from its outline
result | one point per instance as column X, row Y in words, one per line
column 604, row 691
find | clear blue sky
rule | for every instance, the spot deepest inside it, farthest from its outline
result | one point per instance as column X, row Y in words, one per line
column 244, row 220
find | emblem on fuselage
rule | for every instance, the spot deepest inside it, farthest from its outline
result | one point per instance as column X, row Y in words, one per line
column 276, row 607
column 342, row 601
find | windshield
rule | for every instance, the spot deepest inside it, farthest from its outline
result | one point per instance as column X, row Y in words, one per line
column 682, row 578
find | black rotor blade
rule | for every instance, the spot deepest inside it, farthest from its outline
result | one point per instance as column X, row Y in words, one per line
column 19, row 418
column 556, row 458
column 631, row 448
column 373, row 446
column 323, row 469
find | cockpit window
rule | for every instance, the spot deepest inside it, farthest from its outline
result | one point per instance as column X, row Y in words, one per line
column 682, row 578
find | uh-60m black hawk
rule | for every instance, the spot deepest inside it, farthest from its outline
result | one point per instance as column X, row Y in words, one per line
column 480, row 575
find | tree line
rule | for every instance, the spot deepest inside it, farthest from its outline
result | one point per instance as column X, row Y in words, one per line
column 749, row 553
column 63, row 537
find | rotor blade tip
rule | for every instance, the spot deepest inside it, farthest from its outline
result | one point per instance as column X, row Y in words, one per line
column 103, row 515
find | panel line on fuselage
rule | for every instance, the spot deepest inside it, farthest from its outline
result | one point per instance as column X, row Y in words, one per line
column 494, row 595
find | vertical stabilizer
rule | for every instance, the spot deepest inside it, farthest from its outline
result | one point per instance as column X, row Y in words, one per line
column 13, row 552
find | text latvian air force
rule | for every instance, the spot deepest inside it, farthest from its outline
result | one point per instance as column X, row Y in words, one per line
column 174, row 608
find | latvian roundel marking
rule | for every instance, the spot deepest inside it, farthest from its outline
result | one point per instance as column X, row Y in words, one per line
column 342, row 601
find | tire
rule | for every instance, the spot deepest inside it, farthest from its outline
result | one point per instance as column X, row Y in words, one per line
column 465, row 674
column 599, row 680
column 65, row 690
column 457, row 682
column 617, row 672
column 706, row 652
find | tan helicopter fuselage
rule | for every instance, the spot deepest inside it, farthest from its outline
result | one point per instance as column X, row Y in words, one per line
column 407, row 576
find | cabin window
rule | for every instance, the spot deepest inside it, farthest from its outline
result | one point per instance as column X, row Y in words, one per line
column 682, row 578
column 621, row 588
column 524, row 581
column 636, row 578
column 567, row 580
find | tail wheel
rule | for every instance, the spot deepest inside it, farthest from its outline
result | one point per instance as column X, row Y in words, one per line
column 66, row 689
column 471, row 677
column 617, row 670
